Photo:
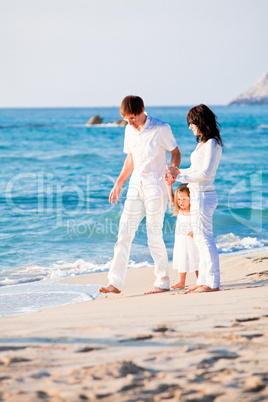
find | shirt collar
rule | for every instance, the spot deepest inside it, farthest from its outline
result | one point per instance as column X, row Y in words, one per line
column 147, row 123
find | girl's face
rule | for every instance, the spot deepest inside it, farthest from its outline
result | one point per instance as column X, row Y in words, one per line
column 183, row 200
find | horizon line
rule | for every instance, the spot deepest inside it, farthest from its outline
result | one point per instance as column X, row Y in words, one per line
column 106, row 107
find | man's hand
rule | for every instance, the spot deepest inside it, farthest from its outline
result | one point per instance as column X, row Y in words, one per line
column 115, row 194
column 171, row 174
column 124, row 175
column 169, row 179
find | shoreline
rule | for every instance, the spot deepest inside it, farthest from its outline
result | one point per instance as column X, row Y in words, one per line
column 81, row 286
column 135, row 347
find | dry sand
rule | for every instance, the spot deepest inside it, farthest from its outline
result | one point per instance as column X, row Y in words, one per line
column 132, row 347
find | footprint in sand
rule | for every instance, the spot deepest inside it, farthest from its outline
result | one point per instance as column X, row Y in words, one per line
column 260, row 259
column 87, row 349
column 247, row 319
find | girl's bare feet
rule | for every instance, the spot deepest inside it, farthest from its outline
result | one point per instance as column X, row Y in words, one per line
column 179, row 285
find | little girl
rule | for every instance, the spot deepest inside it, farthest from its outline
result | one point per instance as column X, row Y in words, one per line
column 185, row 253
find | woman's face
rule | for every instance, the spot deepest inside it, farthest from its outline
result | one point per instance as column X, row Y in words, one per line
column 194, row 128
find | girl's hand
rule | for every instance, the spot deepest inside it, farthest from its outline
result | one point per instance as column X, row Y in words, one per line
column 191, row 234
column 169, row 179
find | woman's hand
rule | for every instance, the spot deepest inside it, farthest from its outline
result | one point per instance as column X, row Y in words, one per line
column 173, row 170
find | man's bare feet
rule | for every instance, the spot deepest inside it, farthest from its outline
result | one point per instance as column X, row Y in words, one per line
column 205, row 288
column 192, row 289
column 155, row 289
column 178, row 285
column 109, row 289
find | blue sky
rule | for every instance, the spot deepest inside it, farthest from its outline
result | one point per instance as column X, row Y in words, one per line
column 94, row 52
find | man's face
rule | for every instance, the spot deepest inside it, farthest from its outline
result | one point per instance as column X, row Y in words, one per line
column 135, row 121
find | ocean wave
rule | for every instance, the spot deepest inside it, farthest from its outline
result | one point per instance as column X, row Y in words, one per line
column 28, row 126
column 228, row 243
column 54, row 126
column 33, row 288
column 103, row 125
column 263, row 126
column 57, row 271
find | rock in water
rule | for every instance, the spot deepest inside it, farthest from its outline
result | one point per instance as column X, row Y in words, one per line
column 257, row 94
column 121, row 122
column 95, row 120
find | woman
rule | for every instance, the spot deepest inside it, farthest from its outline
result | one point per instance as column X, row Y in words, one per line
column 200, row 178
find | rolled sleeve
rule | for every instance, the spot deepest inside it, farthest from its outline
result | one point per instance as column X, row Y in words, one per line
column 127, row 142
column 167, row 139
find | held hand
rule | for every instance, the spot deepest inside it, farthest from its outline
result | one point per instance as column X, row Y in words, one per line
column 173, row 170
column 191, row 234
column 169, row 179
column 115, row 194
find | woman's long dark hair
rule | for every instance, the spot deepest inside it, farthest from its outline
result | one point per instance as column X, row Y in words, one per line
column 206, row 122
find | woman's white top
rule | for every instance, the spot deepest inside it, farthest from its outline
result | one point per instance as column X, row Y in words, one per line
column 204, row 163
column 185, row 252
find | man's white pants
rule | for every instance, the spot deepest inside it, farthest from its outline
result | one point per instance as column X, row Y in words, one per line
column 147, row 203
column 203, row 205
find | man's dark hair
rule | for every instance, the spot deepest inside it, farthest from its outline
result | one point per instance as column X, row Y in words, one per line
column 131, row 105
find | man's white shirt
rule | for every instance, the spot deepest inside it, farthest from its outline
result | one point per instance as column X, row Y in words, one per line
column 149, row 151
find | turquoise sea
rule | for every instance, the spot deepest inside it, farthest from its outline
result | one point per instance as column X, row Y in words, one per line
column 55, row 179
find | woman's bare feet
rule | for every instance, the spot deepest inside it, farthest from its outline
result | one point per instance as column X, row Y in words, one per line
column 109, row 289
column 192, row 289
column 155, row 289
column 179, row 285
column 205, row 288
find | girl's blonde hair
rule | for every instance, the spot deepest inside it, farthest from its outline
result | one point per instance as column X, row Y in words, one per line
column 180, row 189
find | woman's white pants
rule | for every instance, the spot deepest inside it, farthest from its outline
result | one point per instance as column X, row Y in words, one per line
column 203, row 205
column 153, row 206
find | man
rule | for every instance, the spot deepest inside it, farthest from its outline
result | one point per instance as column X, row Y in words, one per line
column 147, row 141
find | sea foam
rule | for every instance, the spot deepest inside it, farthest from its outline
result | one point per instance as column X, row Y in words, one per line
column 32, row 297
column 34, row 292
column 228, row 243
column 57, row 271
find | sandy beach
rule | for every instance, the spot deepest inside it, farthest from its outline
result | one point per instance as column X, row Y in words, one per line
column 134, row 347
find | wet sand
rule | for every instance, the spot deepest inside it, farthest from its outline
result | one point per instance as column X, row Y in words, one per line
column 134, row 347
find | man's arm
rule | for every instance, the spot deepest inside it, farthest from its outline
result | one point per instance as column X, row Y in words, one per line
column 170, row 174
column 175, row 157
column 124, row 175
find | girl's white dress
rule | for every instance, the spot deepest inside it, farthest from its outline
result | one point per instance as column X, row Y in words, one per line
column 200, row 178
column 185, row 252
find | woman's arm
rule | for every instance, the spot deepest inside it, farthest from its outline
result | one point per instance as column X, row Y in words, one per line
column 211, row 161
column 173, row 172
column 175, row 157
